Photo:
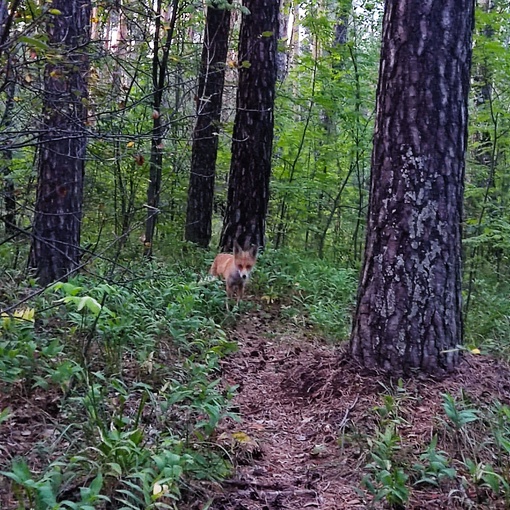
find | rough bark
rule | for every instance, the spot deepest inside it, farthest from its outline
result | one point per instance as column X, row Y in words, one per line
column 55, row 250
column 408, row 314
column 250, row 169
column 205, row 135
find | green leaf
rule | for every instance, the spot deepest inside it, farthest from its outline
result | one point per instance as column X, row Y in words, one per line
column 21, row 470
column 115, row 467
column 33, row 41
column 48, row 496
column 90, row 303
column 5, row 414
column 96, row 484
column 68, row 288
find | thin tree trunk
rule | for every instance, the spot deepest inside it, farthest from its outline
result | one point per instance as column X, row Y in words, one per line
column 159, row 73
column 205, row 135
column 9, row 192
column 9, row 86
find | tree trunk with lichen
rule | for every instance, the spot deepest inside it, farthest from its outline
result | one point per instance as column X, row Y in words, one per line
column 55, row 250
column 408, row 316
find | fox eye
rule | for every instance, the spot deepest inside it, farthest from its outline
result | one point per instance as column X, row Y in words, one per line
column 248, row 267
column 239, row 266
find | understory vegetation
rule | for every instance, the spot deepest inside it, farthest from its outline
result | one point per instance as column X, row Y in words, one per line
column 466, row 457
column 115, row 378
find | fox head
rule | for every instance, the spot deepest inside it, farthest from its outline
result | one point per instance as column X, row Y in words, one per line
column 244, row 260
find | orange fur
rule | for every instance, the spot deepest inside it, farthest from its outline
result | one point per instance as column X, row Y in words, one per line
column 235, row 269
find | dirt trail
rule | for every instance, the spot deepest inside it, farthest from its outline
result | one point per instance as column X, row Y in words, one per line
column 287, row 443
column 304, row 407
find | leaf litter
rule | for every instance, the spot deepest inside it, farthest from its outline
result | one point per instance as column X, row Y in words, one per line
column 308, row 411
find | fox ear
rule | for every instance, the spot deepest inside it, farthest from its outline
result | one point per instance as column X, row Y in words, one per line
column 237, row 247
column 253, row 250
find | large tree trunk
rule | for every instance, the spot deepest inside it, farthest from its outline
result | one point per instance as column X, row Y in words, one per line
column 205, row 135
column 55, row 250
column 250, row 169
column 408, row 314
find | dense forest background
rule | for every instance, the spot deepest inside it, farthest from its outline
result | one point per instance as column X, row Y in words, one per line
column 328, row 63
column 139, row 314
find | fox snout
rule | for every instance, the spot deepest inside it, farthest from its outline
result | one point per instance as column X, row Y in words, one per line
column 244, row 274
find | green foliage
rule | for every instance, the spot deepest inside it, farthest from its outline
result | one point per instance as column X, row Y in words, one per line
column 487, row 320
column 434, row 466
column 41, row 492
column 127, row 359
column 475, row 443
column 387, row 479
column 389, row 411
column 324, row 292
column 323, row 129
column 486, row 196
column 458, row 417
column 26, row 357
column 201, row 400
column 483, row 475
column 17, row 346
column 479, row 458
column 135, row 345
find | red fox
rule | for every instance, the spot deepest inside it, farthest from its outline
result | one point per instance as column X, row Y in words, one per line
column 235, row 269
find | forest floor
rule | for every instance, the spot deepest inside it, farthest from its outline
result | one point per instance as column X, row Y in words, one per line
column 306, row 413
column 308, row 418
